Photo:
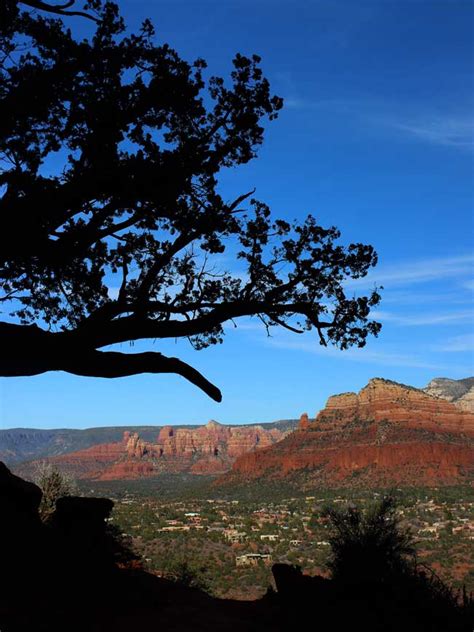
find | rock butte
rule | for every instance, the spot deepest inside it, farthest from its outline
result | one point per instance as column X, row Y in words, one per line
column 387, row 434
column 209, row 449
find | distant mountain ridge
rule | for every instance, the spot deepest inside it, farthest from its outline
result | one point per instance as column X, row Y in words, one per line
column 388, row 433
column 26, row 444
column 209, row 449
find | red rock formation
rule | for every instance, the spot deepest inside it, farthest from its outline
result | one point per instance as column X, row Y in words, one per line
column 91, row 461
column 387, row 434
column 304, row 422
column 135, row 447
column 384, row 400
column 209, row 449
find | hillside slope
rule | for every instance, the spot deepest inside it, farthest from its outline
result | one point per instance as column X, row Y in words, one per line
column 387, row 434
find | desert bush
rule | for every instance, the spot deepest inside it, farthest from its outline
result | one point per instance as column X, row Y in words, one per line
column 371, row 545
column 189, row 574
column 54, row 484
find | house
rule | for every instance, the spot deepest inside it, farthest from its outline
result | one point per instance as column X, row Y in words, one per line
column 175, row 528
column 253, row 559
column 234, row 536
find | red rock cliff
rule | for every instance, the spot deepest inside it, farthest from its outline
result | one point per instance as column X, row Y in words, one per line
column 386, row 434
column 209, row 449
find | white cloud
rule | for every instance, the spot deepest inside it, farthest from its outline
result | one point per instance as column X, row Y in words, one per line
column 444, row 130
column 412, row 120
column 463, row 343
column 381, row 357
column 420, row 271
column 424, row 319
column 413, row 297
column 245, row 324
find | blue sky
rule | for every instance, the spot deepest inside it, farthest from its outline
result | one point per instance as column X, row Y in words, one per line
column 376, row 137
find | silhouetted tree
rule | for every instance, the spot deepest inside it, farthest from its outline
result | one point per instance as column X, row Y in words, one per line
column 54, row 485
column 113, row 228
column 372, row 546
column 374, row 567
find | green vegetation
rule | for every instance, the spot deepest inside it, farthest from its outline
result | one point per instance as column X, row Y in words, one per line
column 374, row 542
column 180, row 527
column 54, row 485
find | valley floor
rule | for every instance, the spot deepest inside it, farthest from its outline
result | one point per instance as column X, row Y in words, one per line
column 226, row 546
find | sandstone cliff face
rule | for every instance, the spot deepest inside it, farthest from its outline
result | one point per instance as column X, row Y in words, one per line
column 460, row 392
column 387, row 434
column 90, row 462
column 209, row 449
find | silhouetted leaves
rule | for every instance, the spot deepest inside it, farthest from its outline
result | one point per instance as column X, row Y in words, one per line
column 369, row 547
column 113, row 227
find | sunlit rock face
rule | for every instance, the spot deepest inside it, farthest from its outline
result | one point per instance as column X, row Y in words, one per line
column 459, row 392
column 209, row 449
column 387, row 434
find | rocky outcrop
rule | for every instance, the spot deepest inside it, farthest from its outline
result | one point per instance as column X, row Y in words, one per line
column 387, row 434
column 73, row 554
column 20, row 500
column 209, row 449
column 19, row 445
column 459, row 392
column 304, row 422
column 383, row 400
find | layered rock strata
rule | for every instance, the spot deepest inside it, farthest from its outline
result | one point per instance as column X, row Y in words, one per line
column 387, row 434
column 209, row 449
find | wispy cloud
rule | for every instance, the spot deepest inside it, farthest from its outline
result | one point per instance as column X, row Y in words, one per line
column 411, row 296
column 463, row 343
column 445, row 130
column 424, row 319
column 244, row 324
column 381, row 357
column 420, row 271
column 411, row 120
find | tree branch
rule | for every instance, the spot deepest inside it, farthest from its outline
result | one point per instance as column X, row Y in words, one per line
column 29, row 350
column 240, row 199
column 110, row 364
column 146, row 281
column 285, row 325
column 58, row 8
column 100, row 333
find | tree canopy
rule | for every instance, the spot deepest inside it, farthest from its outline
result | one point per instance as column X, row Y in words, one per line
column 113, row 226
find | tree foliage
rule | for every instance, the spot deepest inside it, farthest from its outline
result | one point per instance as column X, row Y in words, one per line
column 54, row 485
column 113, row 226
column 372, row 545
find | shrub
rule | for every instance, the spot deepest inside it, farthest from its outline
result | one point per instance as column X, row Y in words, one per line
column 370, row 546
column 54, row 484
